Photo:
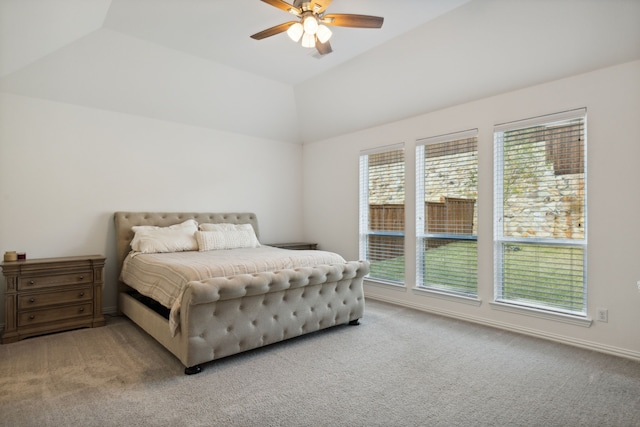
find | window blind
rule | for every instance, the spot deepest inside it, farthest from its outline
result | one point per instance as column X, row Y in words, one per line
column 540, row 212
column 446, row 212
column 382, row 201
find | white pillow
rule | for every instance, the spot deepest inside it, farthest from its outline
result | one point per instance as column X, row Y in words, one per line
column 227, row 239
column 219, row 227
column 175, row 238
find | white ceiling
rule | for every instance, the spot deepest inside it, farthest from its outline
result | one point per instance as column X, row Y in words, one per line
column 193, row 62
column 219, row 30
column 216, row 30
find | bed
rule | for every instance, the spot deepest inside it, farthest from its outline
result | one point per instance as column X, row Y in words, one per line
column 224, row 309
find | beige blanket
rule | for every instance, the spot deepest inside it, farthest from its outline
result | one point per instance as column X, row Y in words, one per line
column 164, row 276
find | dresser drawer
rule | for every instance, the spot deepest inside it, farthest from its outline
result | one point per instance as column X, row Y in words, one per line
column 37, row 282
column 54, row 314
column 38, row 300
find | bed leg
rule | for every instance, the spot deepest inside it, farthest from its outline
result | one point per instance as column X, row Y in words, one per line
column 354, row 322
column 191, row 370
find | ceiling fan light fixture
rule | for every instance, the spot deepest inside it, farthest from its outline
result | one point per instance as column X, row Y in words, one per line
column 308, row 40
column 310, row 24
column 295, row 32
column 323, row 34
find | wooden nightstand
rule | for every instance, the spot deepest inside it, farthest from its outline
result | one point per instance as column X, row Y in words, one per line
column 294, row 245
column 51, row 295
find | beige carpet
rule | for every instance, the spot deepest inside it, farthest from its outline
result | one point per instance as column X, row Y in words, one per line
column 398, row 368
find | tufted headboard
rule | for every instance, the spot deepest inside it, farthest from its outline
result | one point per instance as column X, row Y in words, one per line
column 125, row 220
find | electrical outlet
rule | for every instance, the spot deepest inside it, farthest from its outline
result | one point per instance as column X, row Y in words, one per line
column 603, row 315
column 638, row 284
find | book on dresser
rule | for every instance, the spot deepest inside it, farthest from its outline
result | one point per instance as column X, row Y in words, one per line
column 48, row 295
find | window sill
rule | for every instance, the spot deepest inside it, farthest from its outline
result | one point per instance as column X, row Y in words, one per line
column 385, row 284
column 541, row 314
column 449, row 297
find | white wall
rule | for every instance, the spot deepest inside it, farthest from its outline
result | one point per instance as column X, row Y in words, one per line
column 612, row 98
column 65, row 169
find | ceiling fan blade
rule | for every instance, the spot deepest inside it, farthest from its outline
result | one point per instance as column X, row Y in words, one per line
column 323, row 48
column 272, row 31
column 356, row 21
column 283, row 5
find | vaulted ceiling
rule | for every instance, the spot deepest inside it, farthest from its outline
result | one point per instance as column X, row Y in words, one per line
column 192, row 61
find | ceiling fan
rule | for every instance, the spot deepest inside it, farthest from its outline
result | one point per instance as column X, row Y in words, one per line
column 312, row 23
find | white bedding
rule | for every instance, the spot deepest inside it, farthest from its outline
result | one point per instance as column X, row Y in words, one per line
column 164, row 276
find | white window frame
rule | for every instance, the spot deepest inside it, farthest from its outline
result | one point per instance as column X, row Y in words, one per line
column 421, row 215
column 542, row 311
column 364, row 231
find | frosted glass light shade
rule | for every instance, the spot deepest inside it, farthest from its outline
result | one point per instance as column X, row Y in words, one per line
column 295, row 31
column 308, row 40
column 323, row 34
column 310, row 24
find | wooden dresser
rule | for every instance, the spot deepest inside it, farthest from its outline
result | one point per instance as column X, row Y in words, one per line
column 52, row 294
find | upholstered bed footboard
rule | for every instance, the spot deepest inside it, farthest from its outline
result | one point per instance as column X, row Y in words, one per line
column 227, row 315
column 223, row 316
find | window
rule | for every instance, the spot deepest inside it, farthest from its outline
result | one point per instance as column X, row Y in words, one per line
column 382, row 212
column 540, row 213
column 446, row 213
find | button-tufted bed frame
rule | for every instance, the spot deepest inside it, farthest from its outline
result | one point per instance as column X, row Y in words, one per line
column 227, row 315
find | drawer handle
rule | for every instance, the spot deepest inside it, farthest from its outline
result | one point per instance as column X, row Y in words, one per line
column 31, row 282
column 32, row 317
column 81, row 294
column 81, row 278
column 32, row 300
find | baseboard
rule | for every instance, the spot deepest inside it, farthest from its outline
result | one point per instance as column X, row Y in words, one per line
column 588, row 345
column 110, row 310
